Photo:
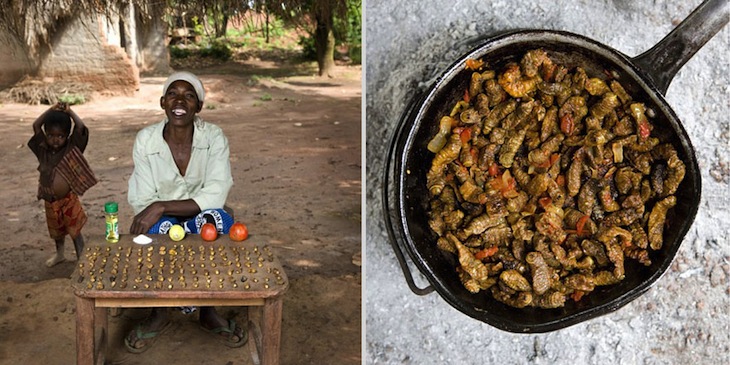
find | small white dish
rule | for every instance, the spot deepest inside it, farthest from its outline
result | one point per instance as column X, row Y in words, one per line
column 142, row 240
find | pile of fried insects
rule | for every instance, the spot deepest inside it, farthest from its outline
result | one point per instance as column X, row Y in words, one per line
column 545, row 180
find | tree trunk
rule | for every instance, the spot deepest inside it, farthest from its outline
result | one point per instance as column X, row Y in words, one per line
column 129, row 32
column 222, row 27
column 324, row 41
column 267, row 25
column 153, row 41
column 220, row 19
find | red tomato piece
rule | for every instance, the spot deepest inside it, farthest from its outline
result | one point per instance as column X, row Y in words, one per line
column 580, row 226
column 493, row 169
column 487, row 252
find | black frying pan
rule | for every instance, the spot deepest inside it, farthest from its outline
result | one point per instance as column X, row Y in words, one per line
column 645, row 77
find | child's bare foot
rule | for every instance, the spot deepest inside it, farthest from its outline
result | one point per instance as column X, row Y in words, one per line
column 55, row 260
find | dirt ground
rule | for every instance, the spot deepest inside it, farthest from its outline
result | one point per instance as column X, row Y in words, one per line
column 295, row 144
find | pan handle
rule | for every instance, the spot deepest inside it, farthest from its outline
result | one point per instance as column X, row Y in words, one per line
column 393, row 238
column 662, row 62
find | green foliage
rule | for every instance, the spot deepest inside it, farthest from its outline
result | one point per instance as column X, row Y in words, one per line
column 282, row 21
column 217, row 49
column 349, row 29
column 198, row 27
column 353, row 30
column 309, row 49
column 266, row 97
column 256, row 79
column 72, row 99
column 277, row 28
column 237, row 33
column 177, row 51
column 355, row 54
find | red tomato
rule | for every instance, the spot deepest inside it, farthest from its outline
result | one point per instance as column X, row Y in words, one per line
column 238, row 232
column 208, row 232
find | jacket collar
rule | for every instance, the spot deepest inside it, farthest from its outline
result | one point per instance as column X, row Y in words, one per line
column 199, row 140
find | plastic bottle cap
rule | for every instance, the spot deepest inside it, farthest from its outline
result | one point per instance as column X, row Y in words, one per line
column 111, row 207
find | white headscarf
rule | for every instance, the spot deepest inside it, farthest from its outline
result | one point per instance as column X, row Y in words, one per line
column 188, row 77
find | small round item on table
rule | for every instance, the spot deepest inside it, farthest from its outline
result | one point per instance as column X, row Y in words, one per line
column 238, row 232
column 208, row 232
column 176, row 233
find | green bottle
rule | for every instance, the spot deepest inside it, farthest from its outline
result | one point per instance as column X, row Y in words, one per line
column 111, row 210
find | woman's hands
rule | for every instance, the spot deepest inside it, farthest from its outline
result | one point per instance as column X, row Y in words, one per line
column 147, row 218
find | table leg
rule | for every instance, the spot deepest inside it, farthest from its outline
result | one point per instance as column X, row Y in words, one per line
column 102, row 322
column 85, row 333
column 271, row 331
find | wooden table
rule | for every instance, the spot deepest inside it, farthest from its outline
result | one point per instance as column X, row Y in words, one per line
column 170, row 274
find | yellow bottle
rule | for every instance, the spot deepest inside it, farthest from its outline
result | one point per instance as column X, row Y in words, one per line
column 112, row 222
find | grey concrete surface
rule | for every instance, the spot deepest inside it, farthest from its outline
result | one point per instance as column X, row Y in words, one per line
column 683, row 319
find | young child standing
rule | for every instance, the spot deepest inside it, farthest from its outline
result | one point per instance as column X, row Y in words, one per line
column 64, row 174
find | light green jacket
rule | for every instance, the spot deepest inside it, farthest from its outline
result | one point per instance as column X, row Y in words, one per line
column 156, row 177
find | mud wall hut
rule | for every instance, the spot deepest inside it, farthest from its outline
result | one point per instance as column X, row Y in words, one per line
column 105, row 50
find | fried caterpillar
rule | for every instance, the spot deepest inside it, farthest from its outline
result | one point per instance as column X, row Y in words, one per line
column 546, row 180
